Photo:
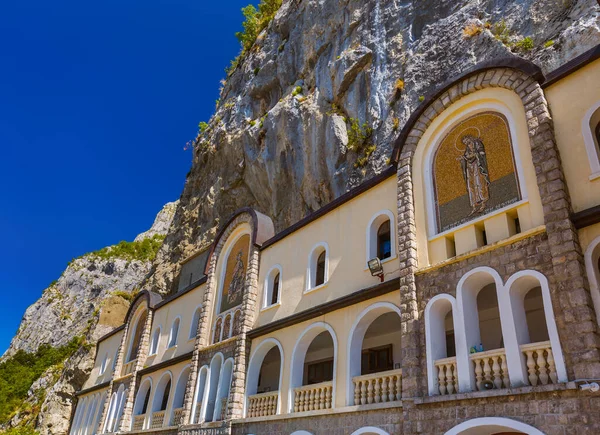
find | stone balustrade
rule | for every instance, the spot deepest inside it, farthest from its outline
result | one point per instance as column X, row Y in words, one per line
column 540, row 363
column 378, row 387
column 490, row 366
column 158, row 419
column 447, row 375
column 198, row 412
column 263, row 405
column 223, row 415
column 313, row 397
column 128, row 367
column 177, row 416
column 138, row 422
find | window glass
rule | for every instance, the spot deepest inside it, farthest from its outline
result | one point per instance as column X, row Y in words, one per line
column 165, row 398
column 174, row 332
column 384, row 241
column 320, row 272
column 154, row 344
column 275, row 290
column 321, row 371
column 146, row 399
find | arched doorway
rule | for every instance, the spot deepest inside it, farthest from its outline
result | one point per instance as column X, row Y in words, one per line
column 493, row 426
column 264, row 379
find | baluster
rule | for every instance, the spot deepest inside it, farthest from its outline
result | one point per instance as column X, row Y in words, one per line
column 369, row 391
column 552, row 366
column 363, row 392
column 318, row 398
column 296, row 402
column 251, row 407
column 478, row 374
column 541, row 363
column 496, row 369
column 328, row 397
column 533, row 379
column 449, row 378
column 487, row 369
column 377, row 382
column 399, row 387
column 442, row 379
column 390, row 388
column 504, row 367
column 302, row 401
column 356, row 393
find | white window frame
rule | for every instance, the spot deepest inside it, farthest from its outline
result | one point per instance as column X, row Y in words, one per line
column 311, row 267
column 154, row 348
column 174, row 337
column 376, row 221
column 591, row 147
column 268, row 287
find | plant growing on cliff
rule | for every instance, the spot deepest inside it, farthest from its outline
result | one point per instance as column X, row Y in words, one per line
column 21, row 370
column 144, row 250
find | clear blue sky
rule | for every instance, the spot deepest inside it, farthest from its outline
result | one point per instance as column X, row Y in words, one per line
column 97, row 100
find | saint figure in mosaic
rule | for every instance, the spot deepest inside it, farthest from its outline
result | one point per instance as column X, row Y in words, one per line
column 237, row 280
column 475, row 172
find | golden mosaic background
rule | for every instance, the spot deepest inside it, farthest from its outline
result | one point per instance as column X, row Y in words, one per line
column 243, row 246
column 449, row 183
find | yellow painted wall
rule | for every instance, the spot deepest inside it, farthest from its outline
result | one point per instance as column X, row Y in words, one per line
column 344, row 230
column 183, row 307
column 109, row 348
column 587, row 235
column 569, row 100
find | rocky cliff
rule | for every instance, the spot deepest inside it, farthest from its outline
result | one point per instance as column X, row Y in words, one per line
column 90, row 298
column 314, row 106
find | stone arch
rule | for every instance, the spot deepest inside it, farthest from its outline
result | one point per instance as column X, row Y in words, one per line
column 356, row 337
column 299, row 354
column 517, row 286
column 370, row 430
column 436, row 311
column 483, row 425
column 179, row 396
column 592, row 265
column 199, row 395
column 255, row 365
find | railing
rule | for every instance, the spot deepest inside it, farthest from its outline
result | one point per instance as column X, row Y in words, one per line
column 378, row 387
column 313, row 397
column 177, row 416
column 447, row 375
column 138, row 422
column 490, row 366
column 540, row 363
column 128, row 367
column 263, row 405
column 158, row 419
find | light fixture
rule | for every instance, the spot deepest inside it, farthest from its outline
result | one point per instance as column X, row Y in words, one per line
column 376, row 268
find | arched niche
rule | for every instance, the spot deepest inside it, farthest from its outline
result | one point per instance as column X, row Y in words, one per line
column 222, row 399
column 212, row 382
column 376, row 327
column 199, row 395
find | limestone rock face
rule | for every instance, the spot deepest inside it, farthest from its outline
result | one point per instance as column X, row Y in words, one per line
column 82, row 302
column 279, row 140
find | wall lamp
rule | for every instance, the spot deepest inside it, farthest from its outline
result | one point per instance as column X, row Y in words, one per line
column 376, row 268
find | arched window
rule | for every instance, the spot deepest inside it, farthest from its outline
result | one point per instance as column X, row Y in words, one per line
column 380, row 238
column 174, row 333
column 318, row 267
column 104, row 364
column 196, row 417
column 178, row 398
column 195, row 322
column 591, row 136
column 155, row 341
column 165, row 397
column 272, row 287
column 137, row 336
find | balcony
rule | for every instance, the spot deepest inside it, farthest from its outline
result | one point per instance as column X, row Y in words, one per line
column 263, row 405
column 177, row 417
column 447, row 375
column 490, row 366
column 138, row 422
column 158, row 419
column 313, row 397
column 379, row 387
column 540, row 363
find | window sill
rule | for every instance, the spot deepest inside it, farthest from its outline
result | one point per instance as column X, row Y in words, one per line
column 171, row 348
column 270, row 307
column 595, row 176
column 319, row 287
column 191, row 338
